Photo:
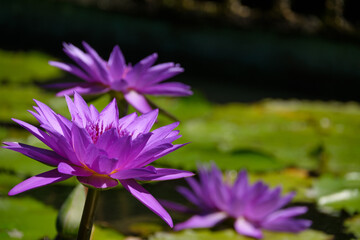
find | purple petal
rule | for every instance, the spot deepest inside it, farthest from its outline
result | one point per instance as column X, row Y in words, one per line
column 81, row 58
column 166, row 174
column 105, row 165
column 125, row 121
column 71, row 69
column 174, row 89
column 288, row 225
column 142, row 159
column 99, row 162
column 110, row 115
column 189, row 195
column 134, row 173
column 244, row 227
column 103, row 73
column 80, row 142
column 147, row 199
column 266, row 204
column 47, row 118
column 42, row 155
column 94, row 113
column 175, row 206
column 116, row 63
column 162, row 72
column 143, row 123
column 82, row 109
column 286, row 213
column 73, row 170
column 90, row 89
column 137, row 145
column 239, row 189
column 134, row 76
column 149, row 156
column 107, row 140
column 161, row 133
column 119, row 85
column 206, row 221
column 41, row 135
column 195, row 187
column 40, row 180
column 117, row 148
column 138, row 101
column 98, row 181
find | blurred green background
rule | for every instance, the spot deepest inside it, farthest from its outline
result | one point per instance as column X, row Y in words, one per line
column 276, row 92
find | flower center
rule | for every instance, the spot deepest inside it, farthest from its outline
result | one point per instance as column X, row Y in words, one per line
column 96, row 130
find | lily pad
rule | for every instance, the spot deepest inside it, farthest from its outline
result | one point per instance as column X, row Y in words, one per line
column 290, row 180
column 353, row 225
column 26, row 67
column 230, row 234
column 339, row 192
column 318, row 136
column 26, row 218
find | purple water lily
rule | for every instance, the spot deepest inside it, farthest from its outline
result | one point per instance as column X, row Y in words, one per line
column 252, row 207
column 134, row 82
column 100, row 149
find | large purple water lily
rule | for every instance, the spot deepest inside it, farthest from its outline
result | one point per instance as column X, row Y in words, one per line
column 134, row 82
column 100, row 149
column 252, row 207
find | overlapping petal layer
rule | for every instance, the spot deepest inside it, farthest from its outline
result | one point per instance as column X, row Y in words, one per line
column 133, row 81
column 100, row 149
column 252, row 207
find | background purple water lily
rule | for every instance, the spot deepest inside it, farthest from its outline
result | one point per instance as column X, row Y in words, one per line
column 252, row 207
column 101, row 76
column 100, row 149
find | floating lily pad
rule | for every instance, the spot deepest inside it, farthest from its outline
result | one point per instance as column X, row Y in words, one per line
column 290, row 180
column 318, row 136
column 230, row 234
column 106, row 233
column 19, row 163
column 353, row 225
column 339, row 192
column 7, row 181
column 26, row 218
column 25, row 67
column 17, row 100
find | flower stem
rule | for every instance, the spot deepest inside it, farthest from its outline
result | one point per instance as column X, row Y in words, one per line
column 121, row 103
column 87, row 218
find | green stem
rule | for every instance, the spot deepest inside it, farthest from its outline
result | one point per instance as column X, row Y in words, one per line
column 121, row 103
column 87, row 218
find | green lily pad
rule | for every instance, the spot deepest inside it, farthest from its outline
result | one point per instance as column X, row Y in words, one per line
column 8, row 181
column 20, row 164
column 25, row 67
column 26, row 218
column 318, row 136
column 338, row 192
column 290, row 180
column 106, row 233
column 17, row 100
column 353, row 225
column 230, row 234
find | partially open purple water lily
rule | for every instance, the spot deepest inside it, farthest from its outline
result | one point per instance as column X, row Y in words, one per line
column 252, row 207
column 134, row 82
column 100, row 149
